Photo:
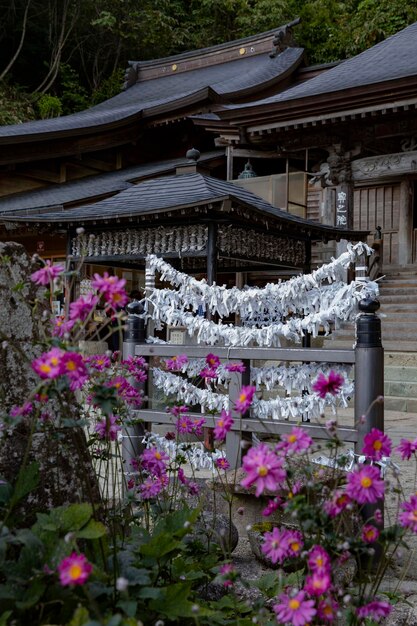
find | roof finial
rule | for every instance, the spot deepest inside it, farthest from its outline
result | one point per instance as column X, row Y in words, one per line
column 193, row 154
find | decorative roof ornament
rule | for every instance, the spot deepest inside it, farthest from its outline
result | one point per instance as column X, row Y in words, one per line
column 248, row 172
column 284, row 38
column 193, row 154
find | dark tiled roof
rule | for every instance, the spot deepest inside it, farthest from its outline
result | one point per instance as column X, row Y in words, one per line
column 91, row 187
column 392, row 59
column 169, row 193
column 221, row 81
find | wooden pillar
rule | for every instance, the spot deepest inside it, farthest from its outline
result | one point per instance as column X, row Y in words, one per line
column 405, row 225
column 212, row 253
column 229, row 165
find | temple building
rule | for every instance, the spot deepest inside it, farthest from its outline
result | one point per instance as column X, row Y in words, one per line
column 290, row 159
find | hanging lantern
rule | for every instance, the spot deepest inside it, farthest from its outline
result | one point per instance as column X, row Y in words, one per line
column 247, row 172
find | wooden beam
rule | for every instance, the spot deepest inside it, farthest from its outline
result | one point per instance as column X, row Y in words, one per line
column 44, row 175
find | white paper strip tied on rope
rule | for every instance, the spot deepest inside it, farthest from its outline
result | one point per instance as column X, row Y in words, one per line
column 195, row 453
column 293, row 407
column 219, row 299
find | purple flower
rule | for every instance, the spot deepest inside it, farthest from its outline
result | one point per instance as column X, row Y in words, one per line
column 263, row 468
column 112, row 289
column 23, row 410
column 82, row 307
column 99, row 362
column 223, row 425
column 375, row 610
column 337, row 504
column 318, row 560
column 154, row 461
column 72, row 364
column 327, row 609
column 62, row 327
column 377, row 445
column 184, row 425
column 212, row 361
column 46, row 274
column 369, row 533
column 294, row 609
column 275, row 545
column 295, row 441
column 198, row 425
column 108, row 428
column 235, row 366
column 318, row 583
column 228, row 574
column 222, row 463
column 48, row 365
column 365, row 484
column 408, row 518
column 151, row 487
column 245, row 398
column 271, row 507
column 208, row 372
column 177, row 410
column 74, row 570
column 176, row 363
column 407, row 448
column 328, row 384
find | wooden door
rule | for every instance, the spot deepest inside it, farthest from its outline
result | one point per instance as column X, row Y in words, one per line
column 379, row 206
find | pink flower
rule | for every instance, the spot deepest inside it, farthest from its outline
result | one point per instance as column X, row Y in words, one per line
column 228, row 574
column 223, row 425
column 370, row 533
column 108, row 428
column 408, row 518
column 275, row 545
column 46, row 274
column 208, row 372
column 48, row 365
column 365, row 484
column 294, row 609
column 318, row 560
column 193, row 489
column 222, row 463
column 152, row 486
column 117, row 298
column 23, row 410
column 74, row 570
column 104, row 284
column 406, row 448
column 72, row 364
column 154, row 461
column 82, row 307
column 337, row 504
column 184, row 425
column 235, row 366
column 99, row 362
column 62, row 327
column 377, row 445
column 328, row 384
column 245, row 398
column 176, row 363
column 375, row 610
column 212, row 361
column 198, row 425
column 271, row 507
column 263, row 468
column 179, row 410
column 295, row 543
column 317, row 583
column 295, row 441
column 327, row 609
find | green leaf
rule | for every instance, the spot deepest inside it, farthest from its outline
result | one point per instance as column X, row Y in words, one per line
column 159, row 546
column 6, row 492
column 93, row 530
column 173, row 601
column 80, row 617
column 32, row 595
column 128, row 606
column 75, row 516
column 4, row 618
column 115, row 620
column 267, row 582
column 27, row 481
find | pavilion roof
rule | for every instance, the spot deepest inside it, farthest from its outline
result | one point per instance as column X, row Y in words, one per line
column 170, row 194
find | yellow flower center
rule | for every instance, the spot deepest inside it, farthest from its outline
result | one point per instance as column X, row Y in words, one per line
column 319, row 561
column 75, row 571
column 366, row 482
column 377, row 444
column 242, row 397
column 71, row 366
column 295, row 546
column 414, row 514
column 294, row 604
column 262, row 470
column 158, row 456
column 45, row 368
column 54, row 360
column 292, row 438
column 220, row 423
column 327, row 610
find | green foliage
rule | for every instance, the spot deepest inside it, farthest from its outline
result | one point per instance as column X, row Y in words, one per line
column 15, row 105
column 48, row 106
column 73, row 95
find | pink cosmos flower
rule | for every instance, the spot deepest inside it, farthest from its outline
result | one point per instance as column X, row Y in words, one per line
column 184, row 425
column 318, row 560
column 264, row 469
column 294, row 609
column 406, row 448
column 46, row 274
column 23, row 410
column 222, row 463
column 105, row 284
column 198, row 425
column 99, row 362
column 48, row 365
column 223, row 425
column 328, row 384
column 208, row 372
column 154, row 461
column 116, row 299
column 370, row 533
column 182, row 477
column 178, row 410
column 74, row 570
column 152, row 486
column 365, row 484
column 176, row 363
column 327, row 609
column 378, row 517
column 108, row 428
column 295, row 543
column 72, row 364
column 82, row 307
column 193, row 489
column 275, row 545
column 317, row 583
column 337, row 504
column 375, row 610
column 271, row 507
column 228, row 574
column 235, row 366
column 212, row 361
column 245, row 398
column 377, row 445
column 408, row 518
column 62, row 327
column 295, row 441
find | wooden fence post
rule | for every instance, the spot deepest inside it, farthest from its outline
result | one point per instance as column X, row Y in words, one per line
column 234, row 438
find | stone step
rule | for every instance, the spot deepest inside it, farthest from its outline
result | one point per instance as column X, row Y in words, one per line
column 400, row 389
column 397, row 299
column 400, row 373
column 398, row 403
column 397, row 290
